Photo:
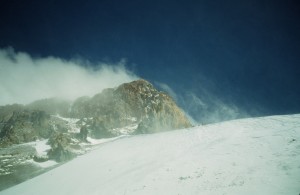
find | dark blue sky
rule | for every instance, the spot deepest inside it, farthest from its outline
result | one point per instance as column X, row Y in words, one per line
column 243, row 53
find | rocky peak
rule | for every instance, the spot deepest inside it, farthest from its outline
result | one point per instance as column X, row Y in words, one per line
column 131, row 108
column 136, row 103
column 141, row 86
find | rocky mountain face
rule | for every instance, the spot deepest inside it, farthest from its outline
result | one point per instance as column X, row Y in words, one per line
column 53, row 129
column 131, row 108
column 26, row 126
column 132, row 104
column 6, row 113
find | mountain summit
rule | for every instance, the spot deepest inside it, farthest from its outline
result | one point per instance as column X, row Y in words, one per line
column 136, row 106
column 131, row 104
column 132, row 108
column 68, row 129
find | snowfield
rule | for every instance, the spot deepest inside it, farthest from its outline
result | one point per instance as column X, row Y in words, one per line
column 247, row 156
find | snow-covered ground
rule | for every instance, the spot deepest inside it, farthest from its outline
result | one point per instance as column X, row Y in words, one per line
column 41, row 147
column 248, row 156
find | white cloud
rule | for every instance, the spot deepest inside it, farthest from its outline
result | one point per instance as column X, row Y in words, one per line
column 24, row 79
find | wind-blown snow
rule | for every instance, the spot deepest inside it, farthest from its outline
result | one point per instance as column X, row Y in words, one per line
column 101, row 141
column 46, row 164
column 249, row 156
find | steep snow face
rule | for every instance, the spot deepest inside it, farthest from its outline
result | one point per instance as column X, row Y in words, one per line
column 249, row 156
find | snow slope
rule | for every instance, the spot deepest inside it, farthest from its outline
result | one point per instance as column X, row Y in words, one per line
column 248, row 156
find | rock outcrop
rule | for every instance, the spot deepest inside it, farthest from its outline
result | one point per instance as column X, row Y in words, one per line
column 63, row 147
column 132, row 103
column 26, row 126
column 131, row 108
column 6, row 113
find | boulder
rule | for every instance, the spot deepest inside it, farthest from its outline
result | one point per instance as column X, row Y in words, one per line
column 62, row 147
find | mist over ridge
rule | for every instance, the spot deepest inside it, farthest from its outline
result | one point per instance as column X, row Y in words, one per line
column 24, row 79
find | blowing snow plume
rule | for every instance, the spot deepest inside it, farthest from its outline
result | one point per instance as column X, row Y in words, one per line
column 24, row 79
column 202, row 105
